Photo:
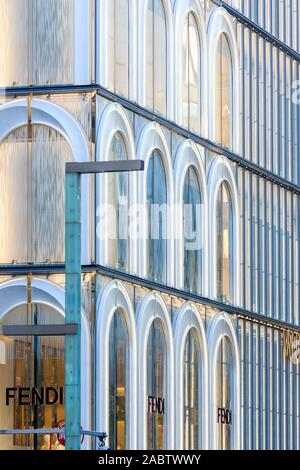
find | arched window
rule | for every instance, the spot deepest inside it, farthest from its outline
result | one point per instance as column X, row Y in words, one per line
column 192, row 389
column 157, row 214
column 156, row 387
column 156, row 70
column 118, row 195
column 29, row 361
column 37, row 170
column 224, row 93
column 192, row 238
column 224, row 247
column 118, row 46
column 118, row 382
column 191, row 74
column 224, row 384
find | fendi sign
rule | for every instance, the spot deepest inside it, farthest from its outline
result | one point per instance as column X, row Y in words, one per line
column 224, row 416
column 27, row 396
column 290, row 341
column 155, row 405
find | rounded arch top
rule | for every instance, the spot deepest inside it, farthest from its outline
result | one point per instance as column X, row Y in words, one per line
column 182, row 8
column 142, row 45
column 114, row 119
column 222, row 327
column 220, row 23
column 14, row 114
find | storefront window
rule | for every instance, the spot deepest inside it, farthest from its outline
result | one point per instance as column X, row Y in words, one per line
column 118, row 194
column 31, row 362
column 156, row 387
column 192, row 239
column 224, row 385
column 224, row 93
column 224, row 244
column 118, row 46
column 191, row 74
column 157, row 214
column 118, row 382
column 156, row 70
column 191, row 392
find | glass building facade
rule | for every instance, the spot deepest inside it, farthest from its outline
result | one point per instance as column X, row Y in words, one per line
column 188, row 341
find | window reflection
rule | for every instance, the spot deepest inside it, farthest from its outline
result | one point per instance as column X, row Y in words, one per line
column 224, row 385
column 32, row 362
column 156, row 205
column 156, row 384
column 118, row 46
column 191, row 74
column 156, row 67
column 224, row 244
column 224, row 93
column 118, row 382
column 191, row 392
column 192, row 248
column 118, row 197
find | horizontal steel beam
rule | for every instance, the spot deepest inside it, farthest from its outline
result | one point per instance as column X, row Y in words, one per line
column 39, row 330
column 17, row 270
column 104, row 167
column 172, row 126
column 250, row 24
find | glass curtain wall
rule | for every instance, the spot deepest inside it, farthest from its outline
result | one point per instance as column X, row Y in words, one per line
column 31, row 362
column 32, row 197
column 191, row 74
column 224, row 222
column 192, row 389
column 156, row 385
column 192, row 230
column 156, row 205
column 118, row 199
column 118, row 382
column 36, row 42
column 118, row 46
column 224, row 384
column 156, row 56
column 224, row 93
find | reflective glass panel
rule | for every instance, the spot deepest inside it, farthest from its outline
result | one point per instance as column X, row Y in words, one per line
column 224, row 93
column 157, row 215
column 191, row 392
column 118, row 382
column 224, row 243
column 118, row 198
column 156, row 385
column 192, row 228
column 224, row 385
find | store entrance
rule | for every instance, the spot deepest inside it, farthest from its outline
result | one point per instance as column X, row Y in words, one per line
column 32, row 375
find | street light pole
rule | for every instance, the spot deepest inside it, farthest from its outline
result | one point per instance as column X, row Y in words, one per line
column 74, row 171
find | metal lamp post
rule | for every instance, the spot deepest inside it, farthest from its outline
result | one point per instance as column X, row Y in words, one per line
column 73, row 287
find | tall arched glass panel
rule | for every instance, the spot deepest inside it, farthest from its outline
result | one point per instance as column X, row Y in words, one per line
column 191, row 392
column 224, row 384
column 192, row 232
column 118, row 46
column 156, row 387
column 191, row 74
column 157, row 219
column 224, row 247
column 118, row 199
column 156, row 56
column 118, row 382
column 224, row 93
